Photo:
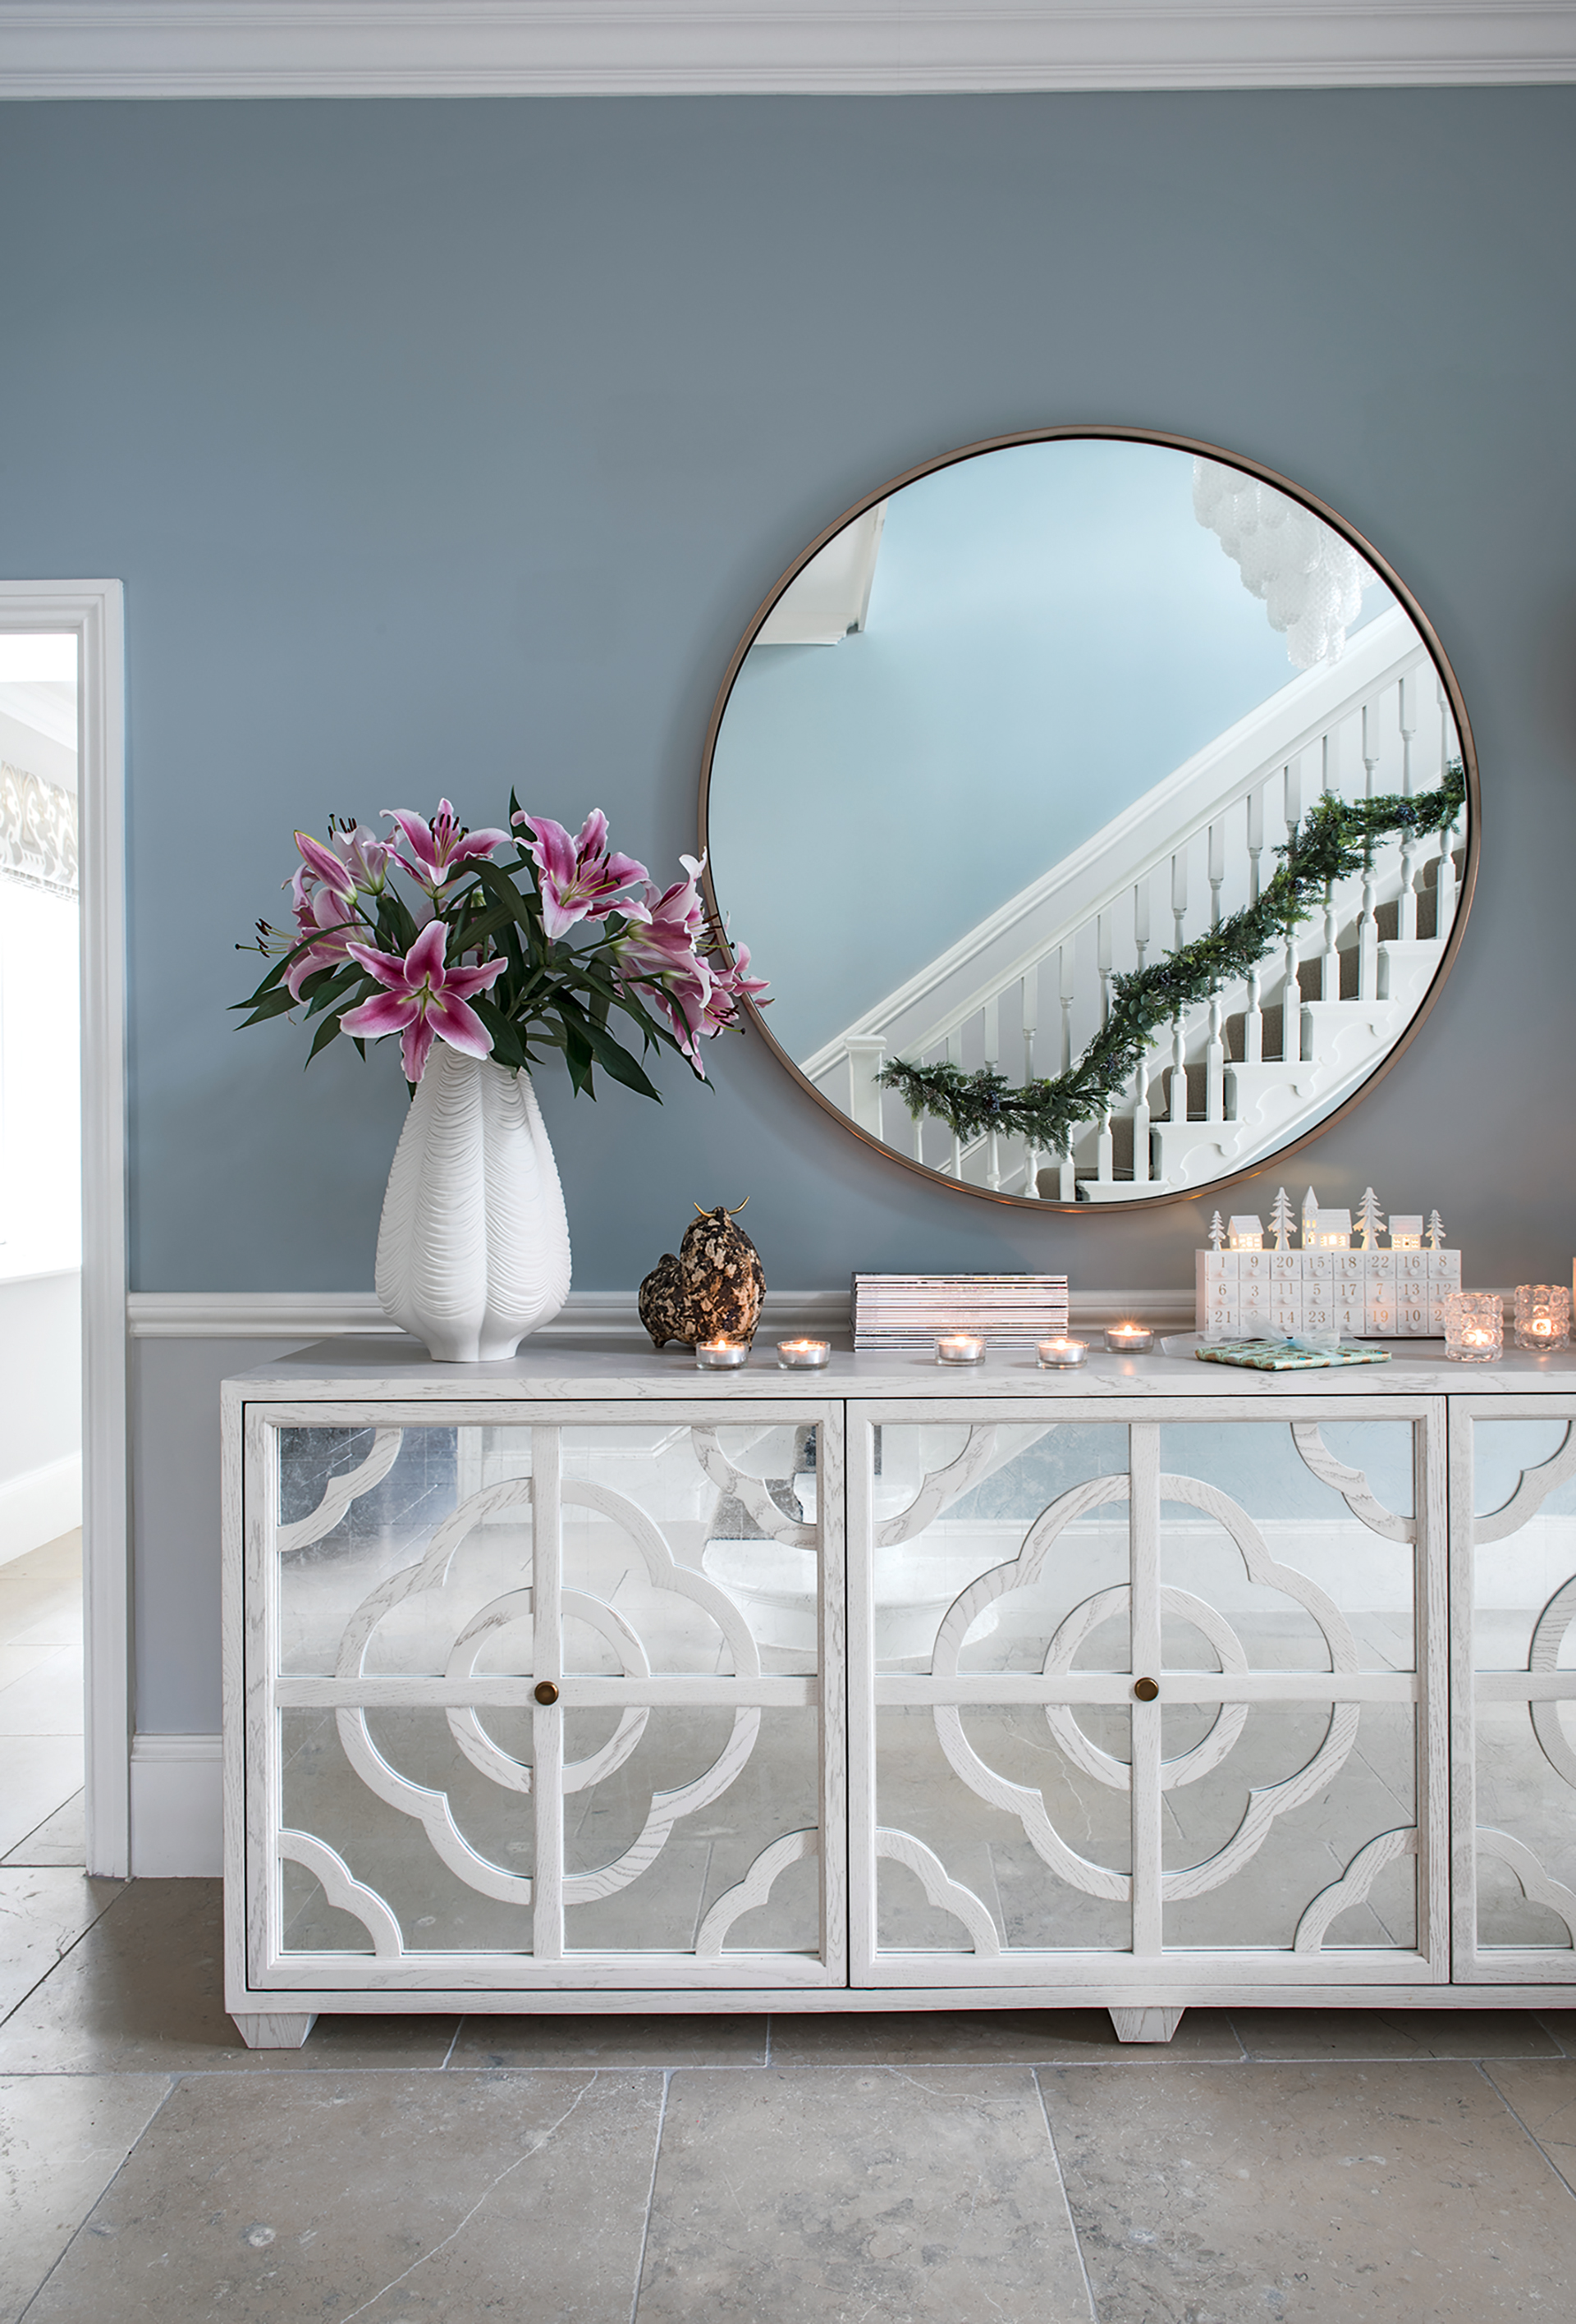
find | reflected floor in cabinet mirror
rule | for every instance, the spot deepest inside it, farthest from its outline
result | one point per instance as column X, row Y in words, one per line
column 966, row 2166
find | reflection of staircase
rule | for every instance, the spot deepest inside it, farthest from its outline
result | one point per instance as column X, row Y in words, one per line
column 1219, row 1091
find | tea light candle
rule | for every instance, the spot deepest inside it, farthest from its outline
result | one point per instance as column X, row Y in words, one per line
column 1129, row 1339
column 960, row 1348
column 803, row 1355
column 720, row 1355
column 1060, row 1355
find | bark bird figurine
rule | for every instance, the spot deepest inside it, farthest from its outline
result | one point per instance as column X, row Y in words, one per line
column 712, row 1290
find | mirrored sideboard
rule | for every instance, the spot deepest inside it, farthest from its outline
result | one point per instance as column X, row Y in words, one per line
column 593, row 1681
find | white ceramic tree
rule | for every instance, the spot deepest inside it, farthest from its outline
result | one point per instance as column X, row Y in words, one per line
column 1216, row 1232
column 1436, row 1232
column 1370, row 1219
column 1282, row 1220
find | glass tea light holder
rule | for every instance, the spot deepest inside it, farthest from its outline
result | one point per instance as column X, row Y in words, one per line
column 1060, row 1355
column 1543, row 1317
column 1129, row 1339
column 960, row 1348
column 720, row 1355
column 803, row 1355
column 1474, row 1326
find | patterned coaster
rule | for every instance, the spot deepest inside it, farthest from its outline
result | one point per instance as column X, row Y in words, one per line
column 1286, row 1355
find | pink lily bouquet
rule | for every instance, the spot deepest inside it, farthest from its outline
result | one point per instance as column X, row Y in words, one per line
column 490, row 955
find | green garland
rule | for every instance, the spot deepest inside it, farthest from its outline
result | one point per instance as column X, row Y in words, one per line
column 1331, row 842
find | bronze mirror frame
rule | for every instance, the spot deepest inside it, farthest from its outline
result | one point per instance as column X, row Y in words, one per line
column 1404, row 597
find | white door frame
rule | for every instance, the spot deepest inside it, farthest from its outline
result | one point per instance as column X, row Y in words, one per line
column 93, row 611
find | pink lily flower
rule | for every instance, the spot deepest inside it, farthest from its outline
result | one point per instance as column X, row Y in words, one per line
column 728, row 982
column 580, row 879
column 442, row 848
column 319, row 863
column 659, row 958
column 326, row 923
column 365, row 857
column 425, row 1000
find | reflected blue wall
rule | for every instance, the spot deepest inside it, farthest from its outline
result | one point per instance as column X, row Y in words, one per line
column 1051, row 630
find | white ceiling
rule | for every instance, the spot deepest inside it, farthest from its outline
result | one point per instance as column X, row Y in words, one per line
column 51, row 48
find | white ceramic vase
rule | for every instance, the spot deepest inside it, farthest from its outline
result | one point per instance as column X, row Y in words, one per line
column 473, row 1249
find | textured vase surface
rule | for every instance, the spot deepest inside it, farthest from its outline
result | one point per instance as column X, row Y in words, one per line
column 473, row 1250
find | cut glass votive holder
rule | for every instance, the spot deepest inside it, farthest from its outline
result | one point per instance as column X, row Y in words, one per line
column 1474, row 1326
column 1543, row 1317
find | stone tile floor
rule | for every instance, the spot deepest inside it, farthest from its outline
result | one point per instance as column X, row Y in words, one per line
column 41, row 1705
column 974, row 2167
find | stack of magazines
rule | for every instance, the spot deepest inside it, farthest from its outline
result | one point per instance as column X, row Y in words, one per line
column 911, row 1311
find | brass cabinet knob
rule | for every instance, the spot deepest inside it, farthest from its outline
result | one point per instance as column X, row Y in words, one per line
column 545, row 1691
column 1145, row 1689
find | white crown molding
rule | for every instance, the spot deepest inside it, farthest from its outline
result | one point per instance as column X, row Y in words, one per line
column 57, row 48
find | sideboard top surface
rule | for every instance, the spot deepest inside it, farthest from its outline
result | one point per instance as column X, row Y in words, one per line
column 399, row 1368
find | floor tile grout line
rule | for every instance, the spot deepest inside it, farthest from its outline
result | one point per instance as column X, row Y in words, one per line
column 1034, row 2072
column 5, row 2014
column 766, row 2060
column 1525, row 2127
column 458, row 2030
column 7, row 1861
column 80, row 2229
column 656, row 2156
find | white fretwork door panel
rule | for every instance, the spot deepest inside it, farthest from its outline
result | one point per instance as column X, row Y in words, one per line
column 1513, row 1513
column 1166, row 1692
column 544, row 1701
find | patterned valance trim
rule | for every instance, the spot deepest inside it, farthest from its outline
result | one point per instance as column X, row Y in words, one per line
column 38, row 831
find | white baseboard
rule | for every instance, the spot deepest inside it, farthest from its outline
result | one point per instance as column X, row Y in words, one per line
column 176, row 1817
column 40, row 1506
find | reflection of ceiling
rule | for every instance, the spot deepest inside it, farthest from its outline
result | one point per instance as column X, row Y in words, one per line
column 831, row 596
column 38, row 730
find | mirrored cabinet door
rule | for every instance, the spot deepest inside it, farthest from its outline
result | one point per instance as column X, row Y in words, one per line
column 1159, row 1696
column 1512, row 1502
column 544, row 1698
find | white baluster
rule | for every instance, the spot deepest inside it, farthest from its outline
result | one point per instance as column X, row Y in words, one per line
column 955, row 1057
column 1407, row 915
column 1103, row 962
column 1141, row 919
column 992, row 1016
column 1368, row 924
column 1141, row 1124
column 1329, row 961
column 1253, row 1022
column 1067, row 1180
column 1178, row 1073
column 1066, row 991
column 1255, row 839
column 1031, row 1019
column 1104, row 1171
column 1215, row 1066
column 1178, row 892
column 1216, row 868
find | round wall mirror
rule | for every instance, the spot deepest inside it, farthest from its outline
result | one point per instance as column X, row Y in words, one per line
column 1001, row 783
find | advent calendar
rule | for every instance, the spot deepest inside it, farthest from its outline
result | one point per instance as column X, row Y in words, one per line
column 1245, row 1292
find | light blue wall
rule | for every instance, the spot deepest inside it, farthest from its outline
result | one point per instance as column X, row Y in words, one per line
column 445, row 444
column 1051, row 630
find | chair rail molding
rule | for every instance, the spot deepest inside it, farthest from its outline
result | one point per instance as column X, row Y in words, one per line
column 94, row 611
column 304, row 1315
column 120, row 48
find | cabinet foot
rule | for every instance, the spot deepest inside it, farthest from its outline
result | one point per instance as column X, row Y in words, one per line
column 1145, row 2024
column 275, row 2031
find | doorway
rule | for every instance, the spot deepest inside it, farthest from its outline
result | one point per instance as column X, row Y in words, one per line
column 61, row 683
